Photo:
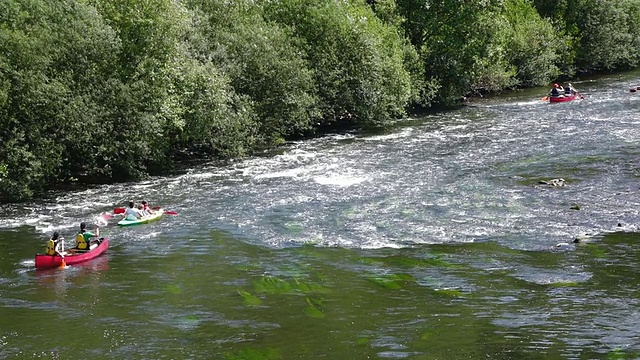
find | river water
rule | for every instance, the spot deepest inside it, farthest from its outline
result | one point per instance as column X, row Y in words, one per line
column 434, row 240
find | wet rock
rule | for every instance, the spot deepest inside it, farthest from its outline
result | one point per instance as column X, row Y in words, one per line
column 582, row 237
column 553, row 182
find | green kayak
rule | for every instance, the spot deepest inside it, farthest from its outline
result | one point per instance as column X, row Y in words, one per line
column 157, row 214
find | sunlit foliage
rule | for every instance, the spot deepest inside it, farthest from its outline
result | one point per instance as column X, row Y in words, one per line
column 109, row 90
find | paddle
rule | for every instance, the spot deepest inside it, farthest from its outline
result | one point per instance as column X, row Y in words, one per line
column 63, row 264
column 119, row 210
column 545, row 98
column 166, row 212
column 106, row 216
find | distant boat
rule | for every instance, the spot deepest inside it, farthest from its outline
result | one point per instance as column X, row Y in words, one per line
column 564, row 98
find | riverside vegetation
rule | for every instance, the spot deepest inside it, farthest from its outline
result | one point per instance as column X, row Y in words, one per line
column 111, row 90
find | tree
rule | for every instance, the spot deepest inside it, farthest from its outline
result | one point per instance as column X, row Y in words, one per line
column 264, row 64
column 453, row 38
column 532, row 45
column 50, row 52
column 356, row 59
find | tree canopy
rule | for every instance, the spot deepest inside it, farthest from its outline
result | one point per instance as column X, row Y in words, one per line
column 108, row 90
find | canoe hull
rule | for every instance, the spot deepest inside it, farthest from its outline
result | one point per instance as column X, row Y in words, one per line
column 147, row 219
column 44, row 261
column 563, row 98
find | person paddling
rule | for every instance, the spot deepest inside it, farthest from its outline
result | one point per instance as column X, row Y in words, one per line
column 83, row 238
column 556, row 91
column 145, row 208
column 131, row 213
column 55, row 245
column 570, row 90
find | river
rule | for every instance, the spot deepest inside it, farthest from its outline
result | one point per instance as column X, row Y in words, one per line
column 435, row 240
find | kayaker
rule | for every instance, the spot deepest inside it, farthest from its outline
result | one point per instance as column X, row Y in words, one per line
column 132, row 213
column 145, row 208
column 83, row 239
column 55, row 245
column 556, row 91
column 570, row 90
column 141, row 210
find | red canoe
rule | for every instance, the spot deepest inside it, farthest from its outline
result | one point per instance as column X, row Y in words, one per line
column 44, row 261
column 563, row 98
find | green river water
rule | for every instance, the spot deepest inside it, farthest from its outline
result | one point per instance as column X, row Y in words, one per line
column 432, row 241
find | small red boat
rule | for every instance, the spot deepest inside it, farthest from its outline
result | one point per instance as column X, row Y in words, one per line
column 564, row 98
column 44, row 261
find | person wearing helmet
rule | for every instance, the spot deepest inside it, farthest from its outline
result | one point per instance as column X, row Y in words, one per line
column 556, row 91
column 569, row 90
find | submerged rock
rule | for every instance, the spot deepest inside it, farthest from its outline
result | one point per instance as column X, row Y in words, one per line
column 584, row 237
column 553, row 182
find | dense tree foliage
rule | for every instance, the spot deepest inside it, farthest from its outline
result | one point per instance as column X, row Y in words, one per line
column 104, row 90
column 356, row 60
column 264, row 63
column 604, row 34
column 531, row 44
column 55, row 65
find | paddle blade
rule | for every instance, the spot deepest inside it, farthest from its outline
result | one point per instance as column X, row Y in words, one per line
column 63, row 264
column 118, row 211
column 106, row 216
column 171, row 213
column 545, row 98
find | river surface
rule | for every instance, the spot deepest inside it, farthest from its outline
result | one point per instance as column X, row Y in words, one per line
column 435, row 240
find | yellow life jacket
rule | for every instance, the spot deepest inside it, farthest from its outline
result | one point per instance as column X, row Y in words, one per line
column 81, row 243
column 51, row 247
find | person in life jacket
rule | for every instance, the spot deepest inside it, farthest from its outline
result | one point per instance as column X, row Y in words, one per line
column 570, row 90
column 556, row 91
column 83, row 238
column 54, row 245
